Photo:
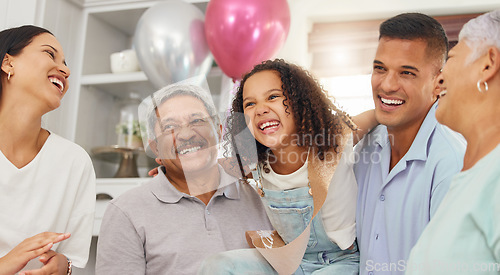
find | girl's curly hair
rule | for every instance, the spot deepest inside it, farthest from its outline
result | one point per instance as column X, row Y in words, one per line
column 320, row 124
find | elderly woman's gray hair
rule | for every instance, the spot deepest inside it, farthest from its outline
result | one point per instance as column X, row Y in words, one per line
column 481, row 32
column 148, row 107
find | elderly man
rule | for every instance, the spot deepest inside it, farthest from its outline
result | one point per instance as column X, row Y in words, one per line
column 192, row 209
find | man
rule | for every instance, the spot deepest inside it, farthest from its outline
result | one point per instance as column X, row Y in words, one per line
column 192, row 208
column 405, row 164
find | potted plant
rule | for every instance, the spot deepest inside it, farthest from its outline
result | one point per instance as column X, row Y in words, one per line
column 129, row 134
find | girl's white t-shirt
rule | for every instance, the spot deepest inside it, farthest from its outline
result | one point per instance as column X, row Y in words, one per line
column 339, row 210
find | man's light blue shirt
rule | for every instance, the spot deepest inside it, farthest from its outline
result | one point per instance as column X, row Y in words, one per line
column 395, row 206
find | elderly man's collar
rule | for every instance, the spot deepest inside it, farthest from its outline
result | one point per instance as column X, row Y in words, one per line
column 165, row 192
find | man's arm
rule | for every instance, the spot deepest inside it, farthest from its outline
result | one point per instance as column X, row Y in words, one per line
column 445, row 170
column 119, row 248
column 438, row 193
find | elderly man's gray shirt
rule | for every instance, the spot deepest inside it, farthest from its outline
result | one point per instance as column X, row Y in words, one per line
column 155, row 229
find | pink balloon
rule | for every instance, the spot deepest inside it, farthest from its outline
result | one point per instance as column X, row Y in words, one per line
column 197, row 35
column 243, row 33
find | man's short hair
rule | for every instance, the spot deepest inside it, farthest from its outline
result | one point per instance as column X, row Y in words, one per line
column 414, row 26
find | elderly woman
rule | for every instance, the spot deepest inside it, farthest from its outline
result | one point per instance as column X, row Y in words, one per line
column 464, row 235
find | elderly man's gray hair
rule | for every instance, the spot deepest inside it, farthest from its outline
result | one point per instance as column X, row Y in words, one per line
column 148, row 107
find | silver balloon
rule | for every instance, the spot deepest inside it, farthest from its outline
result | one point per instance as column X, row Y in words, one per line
column 170, row 43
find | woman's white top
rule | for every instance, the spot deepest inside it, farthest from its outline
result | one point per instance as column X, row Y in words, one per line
column 339, row 210
column 54, row 192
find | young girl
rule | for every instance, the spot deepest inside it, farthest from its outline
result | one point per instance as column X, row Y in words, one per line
column 47, row 183
column 304, row 150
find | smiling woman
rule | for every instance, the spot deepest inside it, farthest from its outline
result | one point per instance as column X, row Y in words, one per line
column 40, row 170
column 464, row 235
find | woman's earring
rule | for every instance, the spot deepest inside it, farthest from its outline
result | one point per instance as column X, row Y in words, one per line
column 479, row 86
column 8, row 76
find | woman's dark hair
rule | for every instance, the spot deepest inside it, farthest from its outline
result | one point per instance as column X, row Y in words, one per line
column 14, row 40
column 320, row 124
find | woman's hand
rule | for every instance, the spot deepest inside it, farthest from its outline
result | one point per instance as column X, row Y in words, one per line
column 29, row 249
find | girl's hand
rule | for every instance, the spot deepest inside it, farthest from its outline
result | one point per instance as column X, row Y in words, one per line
column 29, row 249
column 54, row 264
column 365, row 121
column 153, row 172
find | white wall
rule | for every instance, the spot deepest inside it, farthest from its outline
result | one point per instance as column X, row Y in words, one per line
column 19, row 12
column 305, row 12
column 65, row 20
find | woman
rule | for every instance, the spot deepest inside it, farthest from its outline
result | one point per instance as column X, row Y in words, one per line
column 464, row 235
column 47, row 183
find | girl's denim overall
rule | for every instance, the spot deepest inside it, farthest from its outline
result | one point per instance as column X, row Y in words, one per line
column 290, row 212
